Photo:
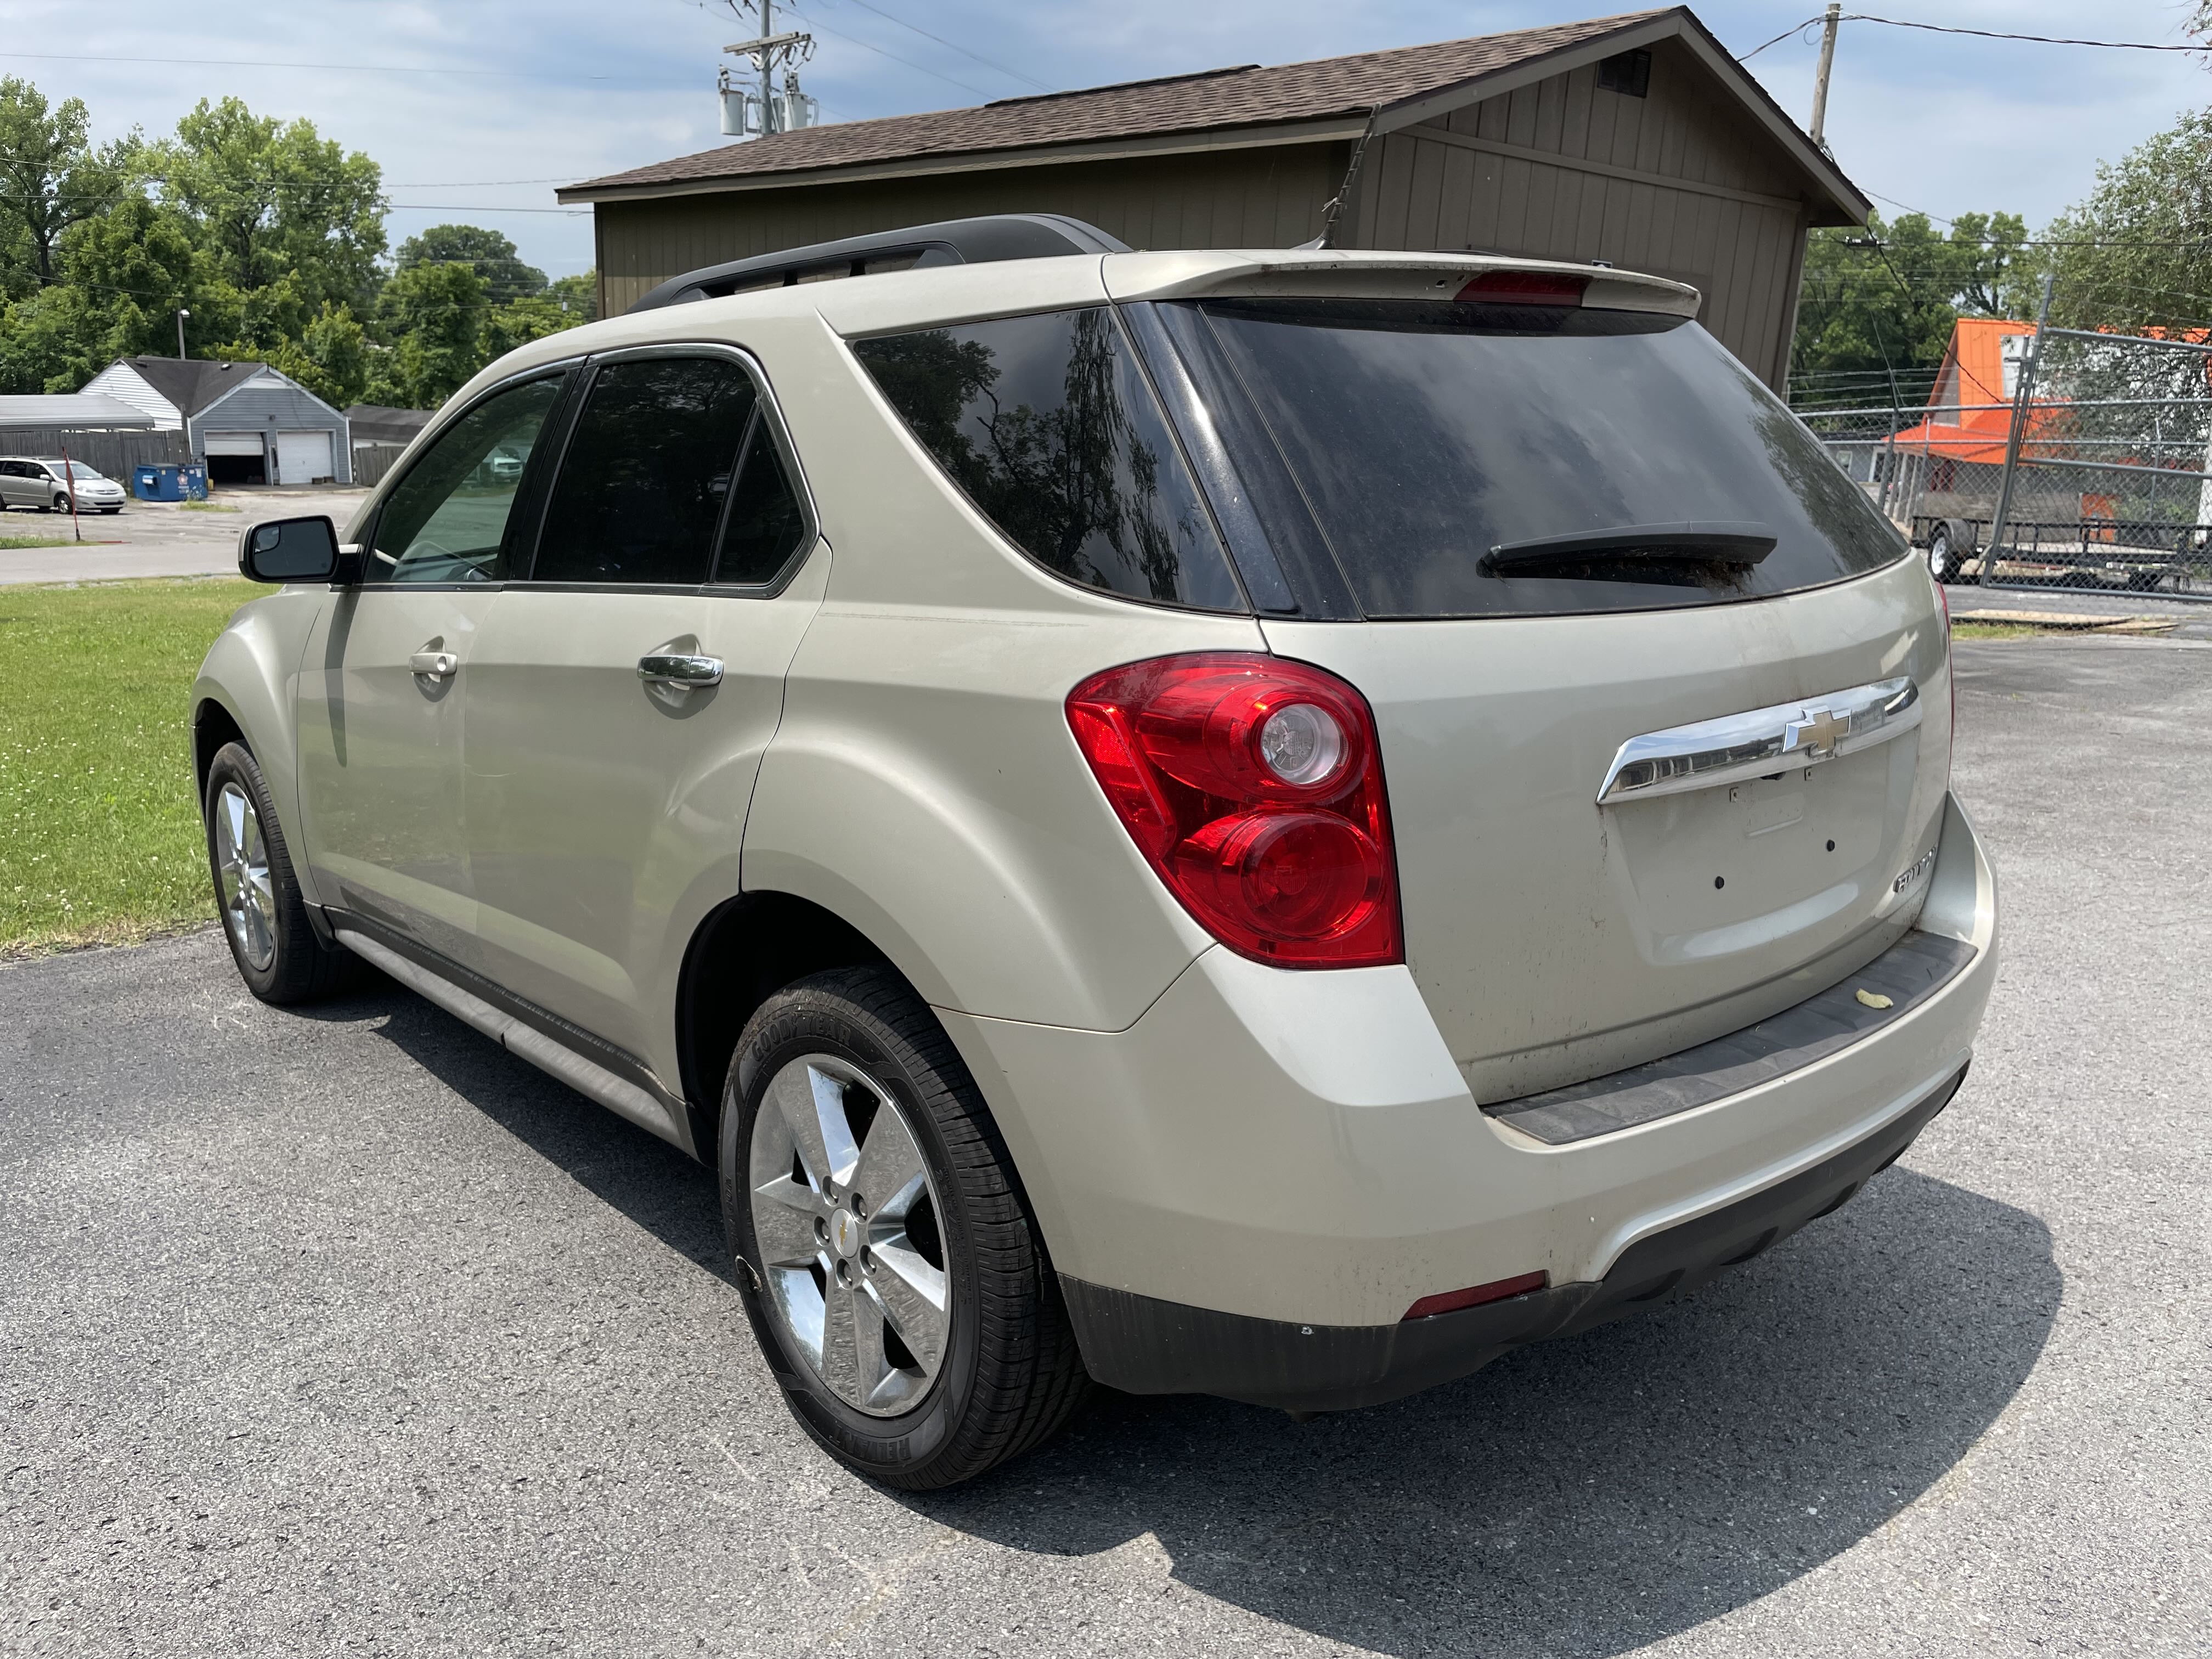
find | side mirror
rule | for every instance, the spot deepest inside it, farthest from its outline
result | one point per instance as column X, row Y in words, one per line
column 288, row 550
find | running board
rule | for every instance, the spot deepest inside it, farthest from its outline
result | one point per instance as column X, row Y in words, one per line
column 586, row 1077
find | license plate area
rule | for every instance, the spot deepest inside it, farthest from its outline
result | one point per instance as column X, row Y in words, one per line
column 1779, row 865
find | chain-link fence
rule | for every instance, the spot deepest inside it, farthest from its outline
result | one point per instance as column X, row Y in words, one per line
column 2095, row 477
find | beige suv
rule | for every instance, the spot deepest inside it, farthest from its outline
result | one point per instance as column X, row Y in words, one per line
column 1271, row 823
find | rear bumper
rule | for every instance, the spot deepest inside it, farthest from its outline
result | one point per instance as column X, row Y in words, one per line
column 1269, row 1148
column 1143, row 1346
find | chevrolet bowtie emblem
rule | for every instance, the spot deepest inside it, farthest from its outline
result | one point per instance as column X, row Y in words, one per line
column 1816, row 733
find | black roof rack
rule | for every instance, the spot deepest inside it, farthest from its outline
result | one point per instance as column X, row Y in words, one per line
column 954, row 242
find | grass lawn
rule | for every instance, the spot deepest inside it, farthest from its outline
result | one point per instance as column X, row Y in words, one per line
column 36, row 541
column 99, row 838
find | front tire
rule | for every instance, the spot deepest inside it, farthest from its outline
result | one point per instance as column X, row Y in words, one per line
column 894, row 1277
column 265, row 915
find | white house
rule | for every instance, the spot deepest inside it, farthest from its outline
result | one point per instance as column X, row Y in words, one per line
column 249, row 422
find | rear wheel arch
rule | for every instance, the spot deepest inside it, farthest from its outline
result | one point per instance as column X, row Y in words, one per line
column 743, row 953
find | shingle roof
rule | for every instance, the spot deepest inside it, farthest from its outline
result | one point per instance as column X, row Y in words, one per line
column 89, row 409
column 1246, row 96
column 192, row 383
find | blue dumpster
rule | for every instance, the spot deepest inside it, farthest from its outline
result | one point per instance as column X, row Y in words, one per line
column 157, row 483
column 195, row 481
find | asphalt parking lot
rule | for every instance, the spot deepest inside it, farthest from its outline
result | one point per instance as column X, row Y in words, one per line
column 349, row 1331
column 159, row 538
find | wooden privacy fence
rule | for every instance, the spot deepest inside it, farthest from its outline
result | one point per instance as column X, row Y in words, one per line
column 113, row 453
column 371, row 461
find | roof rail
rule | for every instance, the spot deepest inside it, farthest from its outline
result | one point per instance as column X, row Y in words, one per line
column 953, row 242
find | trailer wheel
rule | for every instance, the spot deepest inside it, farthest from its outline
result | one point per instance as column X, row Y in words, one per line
column 1942, row 562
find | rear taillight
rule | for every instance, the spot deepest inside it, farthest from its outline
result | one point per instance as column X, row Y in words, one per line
column 1526, row 287
column 1254, row 786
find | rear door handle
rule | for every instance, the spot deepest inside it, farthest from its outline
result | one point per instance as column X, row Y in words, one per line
column 684, row 673
column 434, row 664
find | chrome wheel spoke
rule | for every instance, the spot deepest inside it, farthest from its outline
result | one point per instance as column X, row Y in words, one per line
column 889, row 1173
column 913, row 1295
column 792, row 1096
column 784, row 1226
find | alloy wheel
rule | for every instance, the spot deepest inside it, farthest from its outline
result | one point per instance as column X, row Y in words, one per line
column 845, row 1222
column 242, row 865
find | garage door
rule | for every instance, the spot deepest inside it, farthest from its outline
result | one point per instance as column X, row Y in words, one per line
column 233, row 443
column 303, row 457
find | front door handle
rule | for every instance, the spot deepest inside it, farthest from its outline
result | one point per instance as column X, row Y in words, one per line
column 684, row 673
column 434, row 664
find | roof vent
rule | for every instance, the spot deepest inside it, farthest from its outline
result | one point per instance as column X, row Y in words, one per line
column 222, row 365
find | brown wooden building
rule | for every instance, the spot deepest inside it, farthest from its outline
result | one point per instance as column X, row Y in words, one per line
column 1637, row 140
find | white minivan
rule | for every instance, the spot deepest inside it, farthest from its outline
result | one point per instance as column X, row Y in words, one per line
column 1274, row 824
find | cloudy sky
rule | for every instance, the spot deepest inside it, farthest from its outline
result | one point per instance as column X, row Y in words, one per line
column 476, row 108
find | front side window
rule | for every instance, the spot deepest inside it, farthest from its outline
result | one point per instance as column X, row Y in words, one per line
column 450, row 518
column 649, row 473
column 1047, row 424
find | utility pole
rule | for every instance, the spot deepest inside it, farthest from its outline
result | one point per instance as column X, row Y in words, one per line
column 1821, row 82
column 181, row 315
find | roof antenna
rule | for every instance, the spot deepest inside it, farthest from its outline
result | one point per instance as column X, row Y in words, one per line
column 766, row 111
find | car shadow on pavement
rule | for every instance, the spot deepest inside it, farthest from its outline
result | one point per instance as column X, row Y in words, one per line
column 1586, row 1496
column 657, row 1187
column 1582, row 1497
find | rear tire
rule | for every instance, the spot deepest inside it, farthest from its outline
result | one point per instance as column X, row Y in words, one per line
column 917, row 1373
column 263, row 913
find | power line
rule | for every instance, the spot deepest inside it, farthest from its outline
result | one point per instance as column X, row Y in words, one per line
column 1986, row 35
column 866, row 6
column 854, row 40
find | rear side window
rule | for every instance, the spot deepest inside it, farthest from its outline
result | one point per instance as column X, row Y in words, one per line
column 1048, row 425
column 648, row 473
column 1468, row 460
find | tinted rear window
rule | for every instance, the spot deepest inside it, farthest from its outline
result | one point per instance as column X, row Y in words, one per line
column 1421, row 436
column 1049, row 426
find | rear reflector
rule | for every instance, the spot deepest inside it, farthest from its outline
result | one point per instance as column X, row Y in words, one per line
column 1526, row 287
column 1475, row 1295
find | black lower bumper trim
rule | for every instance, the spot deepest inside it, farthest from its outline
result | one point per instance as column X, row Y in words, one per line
column 1142, row 1345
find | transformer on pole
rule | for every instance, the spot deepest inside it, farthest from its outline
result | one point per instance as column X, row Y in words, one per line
column 745, row 112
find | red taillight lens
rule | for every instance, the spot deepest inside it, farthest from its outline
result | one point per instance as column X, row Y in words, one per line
column 1526, row 287
column 1254, row 786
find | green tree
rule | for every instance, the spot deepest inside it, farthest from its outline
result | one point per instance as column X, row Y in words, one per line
column 331, row 358
column 430, row 318
column 490, row 255
column 50, row 176
column 277, row 206
column 2138, row 253
column 577, row 296
column 120, row 279
column 1879, row 303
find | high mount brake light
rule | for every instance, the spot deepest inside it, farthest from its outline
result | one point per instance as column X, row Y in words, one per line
column 1526, row 287
column 1254, row 787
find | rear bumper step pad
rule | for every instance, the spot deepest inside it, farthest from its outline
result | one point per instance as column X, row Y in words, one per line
column 1908, row 974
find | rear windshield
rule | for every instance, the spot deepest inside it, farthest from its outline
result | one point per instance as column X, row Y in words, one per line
column 1469, row 460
